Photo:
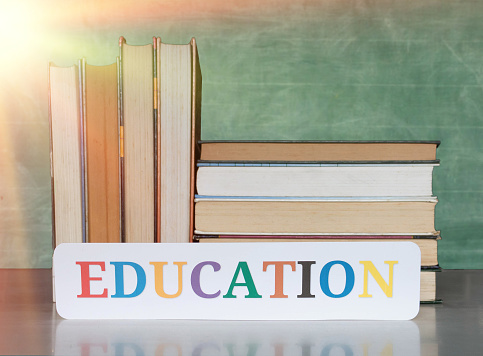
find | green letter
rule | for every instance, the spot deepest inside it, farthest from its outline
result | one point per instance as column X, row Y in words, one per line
column 252, row 291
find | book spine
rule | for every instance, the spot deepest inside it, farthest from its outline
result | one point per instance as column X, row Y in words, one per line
column 195, row 127
column 121, row 142
column 158, row 142
column 156, row 138
column 118, row 71
column 210, row 163
column 52, row 196
column 429, row 142
column 312, row 237
column 83, row 150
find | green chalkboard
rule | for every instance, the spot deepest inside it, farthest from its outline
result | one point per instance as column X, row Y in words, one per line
column 397, row 70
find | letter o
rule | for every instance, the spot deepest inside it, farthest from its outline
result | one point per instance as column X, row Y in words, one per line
column 349, row 279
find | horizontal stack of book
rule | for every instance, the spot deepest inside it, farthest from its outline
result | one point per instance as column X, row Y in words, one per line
column 124, row 143
column 320, row 191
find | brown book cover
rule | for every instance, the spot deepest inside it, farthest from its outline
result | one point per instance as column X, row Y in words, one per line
column 319, row 151
column 101, row 137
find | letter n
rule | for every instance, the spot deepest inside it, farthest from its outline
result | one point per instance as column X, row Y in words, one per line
column 386, row 287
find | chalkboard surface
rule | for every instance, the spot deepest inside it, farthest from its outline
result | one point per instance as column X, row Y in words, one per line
column 364, row 71
column 272, row 70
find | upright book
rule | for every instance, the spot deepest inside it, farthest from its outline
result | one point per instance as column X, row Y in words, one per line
column 66, row 149
column 137, row 129
column 179, row 108
column 101, row 137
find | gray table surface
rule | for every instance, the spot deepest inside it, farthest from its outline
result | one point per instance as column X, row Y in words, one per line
column 29, row 324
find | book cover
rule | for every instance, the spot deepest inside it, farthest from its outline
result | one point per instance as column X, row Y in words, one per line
column 319, row 150
column 101, row 137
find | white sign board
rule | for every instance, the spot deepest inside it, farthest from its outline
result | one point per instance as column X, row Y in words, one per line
column 246, row 281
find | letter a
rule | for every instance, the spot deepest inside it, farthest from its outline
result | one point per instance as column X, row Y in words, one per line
column 252, row 290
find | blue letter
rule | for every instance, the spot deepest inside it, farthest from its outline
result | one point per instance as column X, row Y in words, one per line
column 119, row 275
column 349, row 279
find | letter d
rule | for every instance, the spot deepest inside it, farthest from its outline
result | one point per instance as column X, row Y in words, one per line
column 119, row 278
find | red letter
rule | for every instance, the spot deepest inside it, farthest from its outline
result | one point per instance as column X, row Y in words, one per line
column 86, row 348
column 278, row 276
column 86, row 278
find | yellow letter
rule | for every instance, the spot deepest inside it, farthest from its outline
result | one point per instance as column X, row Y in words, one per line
column 158, row 278
column 386, row 287
column 162, row 347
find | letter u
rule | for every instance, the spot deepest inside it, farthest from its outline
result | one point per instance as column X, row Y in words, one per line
column 159, row 280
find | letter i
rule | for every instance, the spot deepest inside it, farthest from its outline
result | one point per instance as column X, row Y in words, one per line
column 306, row 272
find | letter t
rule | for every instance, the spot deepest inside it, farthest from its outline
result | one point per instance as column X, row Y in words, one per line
column 278, row 276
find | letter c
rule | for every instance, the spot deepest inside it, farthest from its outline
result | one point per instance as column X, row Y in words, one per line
column 195, row 279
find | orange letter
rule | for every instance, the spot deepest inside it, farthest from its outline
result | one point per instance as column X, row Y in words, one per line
column 278, row 276
column 158, row 278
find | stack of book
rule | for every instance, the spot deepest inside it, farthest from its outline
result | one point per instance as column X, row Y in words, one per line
column 319, row 191
column 124, row 143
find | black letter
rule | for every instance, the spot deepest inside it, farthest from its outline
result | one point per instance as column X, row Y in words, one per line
column 306, row 268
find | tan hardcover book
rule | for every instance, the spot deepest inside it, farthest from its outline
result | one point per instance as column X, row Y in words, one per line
column 137, row 142
column 349, row 180
column 427, row 245
column 314, row 216
column 179, row 108
column 319, row 150
column 101, row 132
column 428, row 286
column 66, row 155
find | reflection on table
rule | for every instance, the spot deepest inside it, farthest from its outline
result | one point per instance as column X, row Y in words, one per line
column 120, row 337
